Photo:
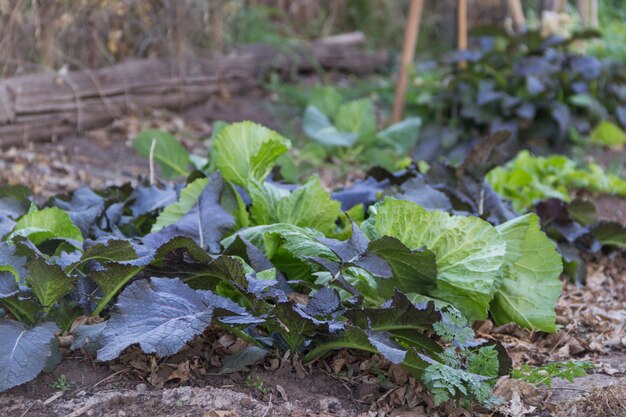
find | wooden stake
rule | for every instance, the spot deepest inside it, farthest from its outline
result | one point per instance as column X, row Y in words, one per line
column 583, row 11
column 462, row 29
column 408, row 54
column 517, row 13
column 593, row 14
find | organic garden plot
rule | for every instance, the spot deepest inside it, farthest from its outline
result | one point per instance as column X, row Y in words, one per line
column 283, row 269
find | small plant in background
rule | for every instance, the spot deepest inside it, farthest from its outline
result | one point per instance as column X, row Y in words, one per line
column 61, row 384
column 544, row 374
column 528, row 179
column 257, row 384
column 348, row 130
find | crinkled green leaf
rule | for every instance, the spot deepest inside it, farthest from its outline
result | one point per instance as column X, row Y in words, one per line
column 309, row 206
column 245, row 151
column 356, row 116
column 469, row 251
column 530, row 287
column 48, row 223
column 48, row 282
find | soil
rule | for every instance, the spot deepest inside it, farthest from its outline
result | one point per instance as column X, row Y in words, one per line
column 592, row 320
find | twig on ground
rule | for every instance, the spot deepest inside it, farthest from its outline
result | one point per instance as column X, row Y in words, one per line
column 269, row 406
column 152, row 147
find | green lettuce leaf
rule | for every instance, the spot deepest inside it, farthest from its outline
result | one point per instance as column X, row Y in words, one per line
column 309, row 206
column 531, row 285
column 469, row 251
column 49, row 223
column 247, row 151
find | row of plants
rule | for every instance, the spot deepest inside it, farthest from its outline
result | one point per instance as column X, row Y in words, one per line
column 374, row 267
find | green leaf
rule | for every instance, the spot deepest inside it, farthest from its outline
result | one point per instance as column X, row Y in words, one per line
column 320, row 128
column 469, row 251
column 357, row 116
column 531, row 285
column 544, row 374
column 326, row 99
column 49, row 223
column 309, row 206
column 172, row 158
column 609, row 233
column 265, row 197
column 187, row 199
column 608, row 134
column 401, row 136
column 287, row 246
column 48, row 282
column 414, row 271
column 247, row 151
column 111, row 280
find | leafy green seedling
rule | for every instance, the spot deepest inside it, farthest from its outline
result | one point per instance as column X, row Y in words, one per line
column 61, row 384
column 544, row 374
column 258, row 384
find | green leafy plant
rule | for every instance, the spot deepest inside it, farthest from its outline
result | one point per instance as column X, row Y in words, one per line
column 349, row 128
column 528, row 179
column 257, row 384
column 61, row 384
column 547, row 96
column 544, row 374
column 161, row 263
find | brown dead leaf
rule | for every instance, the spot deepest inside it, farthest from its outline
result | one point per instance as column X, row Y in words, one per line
column 182, row 373
column 338, row 364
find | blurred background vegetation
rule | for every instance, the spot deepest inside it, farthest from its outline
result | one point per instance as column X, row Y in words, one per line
column 42, row 34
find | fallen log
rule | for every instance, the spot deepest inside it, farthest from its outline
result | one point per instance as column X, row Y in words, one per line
column 41, row 106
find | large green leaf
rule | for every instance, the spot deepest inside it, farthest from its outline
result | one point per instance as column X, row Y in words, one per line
column 49, row 282
column 111, row 280
column 357, row 116
column 301, row 242
column 309, row 206
column 469, row 251
column 49, row 223
column 401, row 136
column 168, row 152
column 326, row 99
column 320, row 128
column 245, row 151
column 531, row 285
column 414, row 271
column 265, row 197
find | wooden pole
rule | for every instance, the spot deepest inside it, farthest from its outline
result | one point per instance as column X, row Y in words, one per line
column 593, row 14
column 408, row 54
column 583, row 11
column 462, row 29
column 517, row 13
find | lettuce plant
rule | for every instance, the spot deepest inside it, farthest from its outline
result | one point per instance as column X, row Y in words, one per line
column 349, row 128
